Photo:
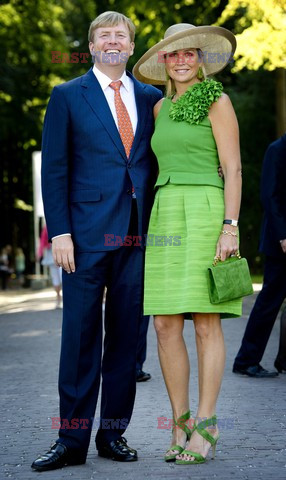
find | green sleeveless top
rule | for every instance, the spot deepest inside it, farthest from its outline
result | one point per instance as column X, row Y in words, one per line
column 184, row 145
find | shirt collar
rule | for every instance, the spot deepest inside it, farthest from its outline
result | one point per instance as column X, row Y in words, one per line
column 104, row 80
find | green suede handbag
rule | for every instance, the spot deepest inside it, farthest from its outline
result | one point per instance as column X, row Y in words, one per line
column 229, row 280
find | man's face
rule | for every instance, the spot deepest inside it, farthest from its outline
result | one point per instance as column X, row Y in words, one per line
column 111, row 46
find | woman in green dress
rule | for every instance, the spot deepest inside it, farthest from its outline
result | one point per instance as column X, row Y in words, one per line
column 194, row 219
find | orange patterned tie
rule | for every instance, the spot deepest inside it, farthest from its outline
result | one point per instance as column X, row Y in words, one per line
column 124, row 122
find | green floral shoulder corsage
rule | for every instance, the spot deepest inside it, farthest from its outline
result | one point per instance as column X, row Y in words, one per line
column 194, row 104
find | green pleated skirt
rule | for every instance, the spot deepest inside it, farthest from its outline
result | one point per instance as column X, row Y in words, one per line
column 184, row 228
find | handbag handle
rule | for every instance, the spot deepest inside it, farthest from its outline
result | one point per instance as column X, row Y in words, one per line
column 218, row 259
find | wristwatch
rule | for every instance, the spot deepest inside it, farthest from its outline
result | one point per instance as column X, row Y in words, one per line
column 233, row 223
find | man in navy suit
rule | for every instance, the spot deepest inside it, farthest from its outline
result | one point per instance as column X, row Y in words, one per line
column 273, row 244
column 97, row 199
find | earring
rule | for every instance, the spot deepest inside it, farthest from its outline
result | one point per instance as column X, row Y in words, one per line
column 200, row 74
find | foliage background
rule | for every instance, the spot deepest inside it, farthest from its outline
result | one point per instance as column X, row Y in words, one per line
column 31, row 29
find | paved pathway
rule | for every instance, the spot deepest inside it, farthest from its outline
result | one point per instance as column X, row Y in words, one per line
column 251, row 411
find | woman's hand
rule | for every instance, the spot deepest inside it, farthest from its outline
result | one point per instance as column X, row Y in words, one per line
column 227, row 244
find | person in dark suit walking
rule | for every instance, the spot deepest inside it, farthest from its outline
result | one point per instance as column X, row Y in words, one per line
column 98, row 174
column 273, row 245
column 142, row 376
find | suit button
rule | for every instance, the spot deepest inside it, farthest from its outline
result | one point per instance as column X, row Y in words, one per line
column 129, row 165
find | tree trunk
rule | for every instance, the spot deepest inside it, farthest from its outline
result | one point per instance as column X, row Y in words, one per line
column 280, row 101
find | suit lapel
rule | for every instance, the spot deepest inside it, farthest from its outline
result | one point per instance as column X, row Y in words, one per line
column 95, row 97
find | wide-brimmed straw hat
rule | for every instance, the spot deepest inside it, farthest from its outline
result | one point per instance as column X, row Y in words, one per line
column 216, row 43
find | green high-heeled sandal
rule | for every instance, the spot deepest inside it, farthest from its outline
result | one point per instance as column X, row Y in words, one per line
column 201, row 429
column 181, row 423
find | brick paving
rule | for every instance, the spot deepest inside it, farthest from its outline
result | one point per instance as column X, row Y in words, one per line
column 251, row 411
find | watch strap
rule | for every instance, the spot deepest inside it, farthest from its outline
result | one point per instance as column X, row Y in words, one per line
column 233, row 223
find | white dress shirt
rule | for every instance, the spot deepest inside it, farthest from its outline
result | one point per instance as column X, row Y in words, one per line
column 128, row 98
column 126, row 93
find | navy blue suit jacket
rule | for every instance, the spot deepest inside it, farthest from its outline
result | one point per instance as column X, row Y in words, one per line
column 273, row 196
column 86, row 176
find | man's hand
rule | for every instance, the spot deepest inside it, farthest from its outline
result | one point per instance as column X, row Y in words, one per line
column 63, row 253
column 283, row 245
column 220, row 171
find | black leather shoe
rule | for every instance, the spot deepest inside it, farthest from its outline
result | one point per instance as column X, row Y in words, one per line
column 256, row 371
column 57, row 457
column 280, row 366
column 142, row 376
column 117, row 450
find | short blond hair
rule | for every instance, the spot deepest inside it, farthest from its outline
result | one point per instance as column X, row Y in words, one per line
column 111, row 19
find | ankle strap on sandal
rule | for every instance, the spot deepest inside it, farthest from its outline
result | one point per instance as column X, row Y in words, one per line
column 201, row 429
column 181, row 423
column 208, row 422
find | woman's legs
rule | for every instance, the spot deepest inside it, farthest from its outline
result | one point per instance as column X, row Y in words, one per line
column 211, row 360
column 175, row 367
column 56, row 277
column 58, row 289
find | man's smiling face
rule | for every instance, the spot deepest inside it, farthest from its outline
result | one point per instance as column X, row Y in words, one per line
column 111, row 45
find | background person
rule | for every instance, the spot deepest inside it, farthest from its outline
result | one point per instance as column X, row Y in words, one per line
column 45, row 252
column 280, row 361
column 142, row 376
column 5, row 270
column 273, row 293
column 20, row 264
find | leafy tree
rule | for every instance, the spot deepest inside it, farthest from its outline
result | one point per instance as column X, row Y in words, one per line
column 260, row 27
column 29, row 31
